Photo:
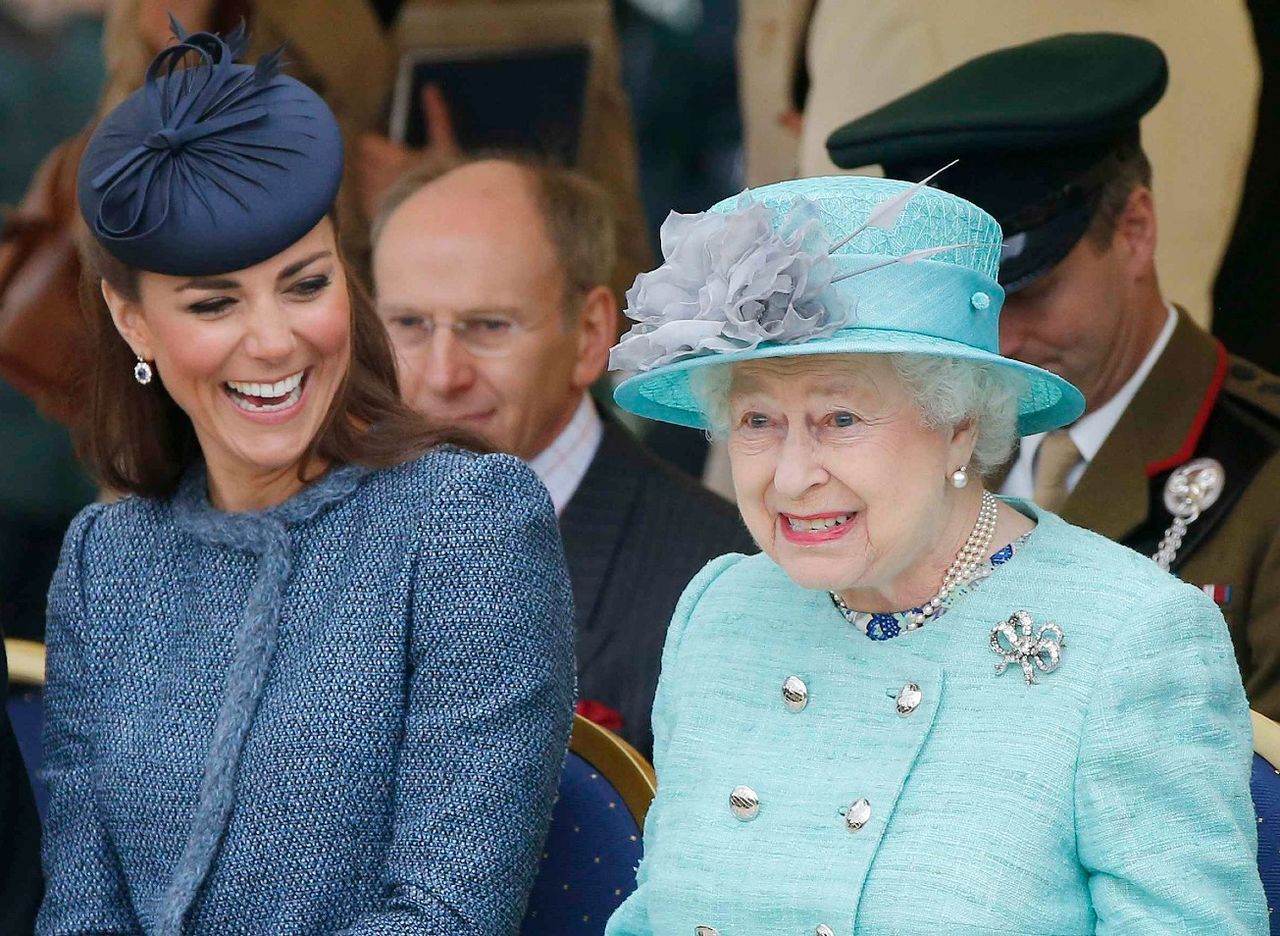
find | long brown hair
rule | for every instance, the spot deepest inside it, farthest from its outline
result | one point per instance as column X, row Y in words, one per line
column 137, row 440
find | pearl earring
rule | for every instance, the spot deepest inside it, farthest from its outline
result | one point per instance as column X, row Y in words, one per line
column 142, row 371
column 960, row 477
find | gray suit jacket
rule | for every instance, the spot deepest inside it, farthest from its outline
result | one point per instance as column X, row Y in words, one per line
column 635, row 533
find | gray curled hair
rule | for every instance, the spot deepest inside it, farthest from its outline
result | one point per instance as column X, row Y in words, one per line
column 947, row 392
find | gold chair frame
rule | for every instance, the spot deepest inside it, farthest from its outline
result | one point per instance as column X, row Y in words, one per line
column 26, row 661
column 620, row 763
column 1266, row 739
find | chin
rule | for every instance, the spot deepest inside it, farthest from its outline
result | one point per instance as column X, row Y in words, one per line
column 274, row 456
column 815, row 574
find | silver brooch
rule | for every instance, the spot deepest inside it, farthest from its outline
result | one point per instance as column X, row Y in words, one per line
column 1191, row 490
column 1012, row 640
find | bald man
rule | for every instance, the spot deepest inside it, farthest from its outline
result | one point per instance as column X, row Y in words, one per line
column 492, row 279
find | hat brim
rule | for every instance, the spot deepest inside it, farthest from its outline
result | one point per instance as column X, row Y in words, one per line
column 664, row 394
column 1043, row 247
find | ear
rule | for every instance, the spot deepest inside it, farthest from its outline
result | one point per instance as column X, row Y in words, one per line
column 127, row 317
column 1136, row 229
column 964, row 437
column 596, row 329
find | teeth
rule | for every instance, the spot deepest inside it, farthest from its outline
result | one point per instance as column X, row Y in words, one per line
column 268, row 391
column 248, row 407
column 814, row 526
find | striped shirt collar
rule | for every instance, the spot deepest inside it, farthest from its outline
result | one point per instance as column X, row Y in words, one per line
column 562, row 465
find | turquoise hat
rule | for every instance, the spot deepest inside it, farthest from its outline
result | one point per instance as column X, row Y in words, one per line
column 838, row 265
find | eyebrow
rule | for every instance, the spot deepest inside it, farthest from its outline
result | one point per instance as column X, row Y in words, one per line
column 302, row 264
column 399, row 308
column 751, row 386
column 206, row 282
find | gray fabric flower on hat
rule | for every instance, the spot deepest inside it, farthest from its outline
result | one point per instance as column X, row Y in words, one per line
column 729, row 282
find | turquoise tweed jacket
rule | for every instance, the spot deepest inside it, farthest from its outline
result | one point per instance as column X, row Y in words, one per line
column 1111, row 797
column 346, row 714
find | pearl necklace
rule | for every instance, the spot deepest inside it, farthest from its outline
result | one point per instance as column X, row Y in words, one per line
column 967, row 565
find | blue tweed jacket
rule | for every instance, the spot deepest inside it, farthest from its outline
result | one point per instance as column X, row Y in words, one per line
column 344, row 714
column 1111, row 797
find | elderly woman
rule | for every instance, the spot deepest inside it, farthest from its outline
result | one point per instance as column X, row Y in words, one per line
column 921, row 709
column 316, row 674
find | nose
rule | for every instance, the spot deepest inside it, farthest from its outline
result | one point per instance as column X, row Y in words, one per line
column 798, row 469
column 270, row 336
column 449, row 368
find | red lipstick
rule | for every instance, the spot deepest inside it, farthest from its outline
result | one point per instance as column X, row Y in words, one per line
column 815, row 537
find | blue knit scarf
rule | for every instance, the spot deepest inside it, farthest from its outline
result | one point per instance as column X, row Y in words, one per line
column 264, row 534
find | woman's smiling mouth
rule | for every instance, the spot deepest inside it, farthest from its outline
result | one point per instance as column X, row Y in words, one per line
column 273, row 397
column 813, row 529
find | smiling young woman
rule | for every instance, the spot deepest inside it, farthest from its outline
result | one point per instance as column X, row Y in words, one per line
column 286, row 691
column 143, row 442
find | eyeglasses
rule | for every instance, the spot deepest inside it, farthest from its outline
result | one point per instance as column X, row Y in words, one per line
column 487, row 335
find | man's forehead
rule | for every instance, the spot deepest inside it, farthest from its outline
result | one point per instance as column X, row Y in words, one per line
column 477, row 192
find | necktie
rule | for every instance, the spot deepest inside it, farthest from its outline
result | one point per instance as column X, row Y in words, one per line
column 1054, row 461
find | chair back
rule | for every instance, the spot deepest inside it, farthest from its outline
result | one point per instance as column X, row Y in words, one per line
column 1265, row 785
column 25, row 707
column 589, row 863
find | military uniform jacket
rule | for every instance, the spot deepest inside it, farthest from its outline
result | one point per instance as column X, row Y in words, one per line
column 1200, row 402
column 1111, row 797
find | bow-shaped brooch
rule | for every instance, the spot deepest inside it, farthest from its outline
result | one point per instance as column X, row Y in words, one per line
column 1013, row 641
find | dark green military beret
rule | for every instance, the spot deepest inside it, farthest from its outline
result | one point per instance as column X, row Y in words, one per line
column 1036, row 128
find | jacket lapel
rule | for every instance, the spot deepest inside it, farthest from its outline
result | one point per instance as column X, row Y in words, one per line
column 1161, row 425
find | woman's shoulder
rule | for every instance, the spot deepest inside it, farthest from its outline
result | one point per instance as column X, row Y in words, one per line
column 1116, row 586
column 104, row 526
column 450, row 471
column 106, row 543
column 735, row 582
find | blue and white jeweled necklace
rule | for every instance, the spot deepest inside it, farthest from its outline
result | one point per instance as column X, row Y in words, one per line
column 972, row 562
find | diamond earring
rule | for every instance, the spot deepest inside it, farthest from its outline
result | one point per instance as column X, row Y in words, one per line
column 960, row 477
column 142, row 371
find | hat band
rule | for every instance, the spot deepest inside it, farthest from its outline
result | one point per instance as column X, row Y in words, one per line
column 930, row 297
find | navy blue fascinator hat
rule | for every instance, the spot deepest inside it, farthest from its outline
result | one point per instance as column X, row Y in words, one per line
column 212, row 166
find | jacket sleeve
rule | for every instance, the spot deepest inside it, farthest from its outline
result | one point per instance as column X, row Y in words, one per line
column 632, row 918
column 1165, row 825
column 489, row 708
column 84, row 888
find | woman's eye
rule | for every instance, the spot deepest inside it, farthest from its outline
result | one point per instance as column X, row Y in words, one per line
column 843, row 420
column 755, row 421
column 310, row 286
column 212, row 306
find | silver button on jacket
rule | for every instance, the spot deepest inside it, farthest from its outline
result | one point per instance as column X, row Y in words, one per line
column 795, row 694
column 823, row 930
column 705, row 931
column 857, row 815
column 744, row 803
column 909, row 697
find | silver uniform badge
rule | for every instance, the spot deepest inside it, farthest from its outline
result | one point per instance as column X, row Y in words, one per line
column 1191, row 490
column 1013, row 641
